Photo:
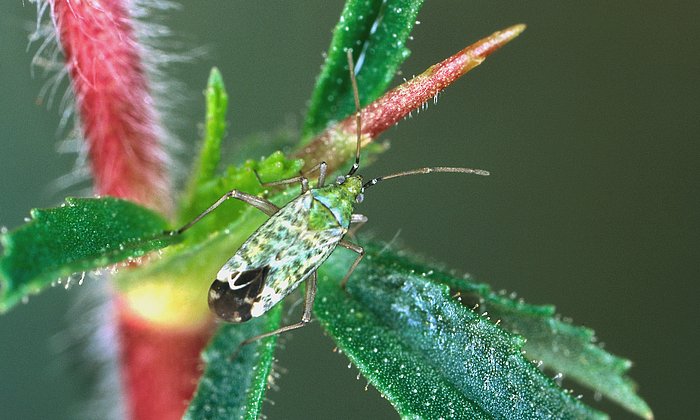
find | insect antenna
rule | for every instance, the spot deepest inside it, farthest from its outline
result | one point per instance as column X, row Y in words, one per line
column 358, row 123
column 358, row 112
column 422, row 171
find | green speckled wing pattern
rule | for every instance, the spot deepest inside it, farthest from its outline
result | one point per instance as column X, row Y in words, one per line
column 291, row 249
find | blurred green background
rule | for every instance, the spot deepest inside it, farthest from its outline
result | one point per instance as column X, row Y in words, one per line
column 588, row 122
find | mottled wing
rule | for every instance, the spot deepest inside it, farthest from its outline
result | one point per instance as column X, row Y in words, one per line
column 288, row 246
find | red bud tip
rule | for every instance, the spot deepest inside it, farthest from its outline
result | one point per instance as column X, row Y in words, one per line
column 490, row 44
column 337, row 143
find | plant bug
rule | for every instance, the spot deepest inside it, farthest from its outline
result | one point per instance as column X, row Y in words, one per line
column 297, row 238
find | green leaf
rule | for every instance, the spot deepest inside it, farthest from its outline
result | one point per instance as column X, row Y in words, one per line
column 235, row 388
column 388, row 302
column 83, row 234
column 416, row 389
column 272, row 168
column 209, row 157
column 562, row 347
column 206, row 185
column 377, row 32
column 215, row 127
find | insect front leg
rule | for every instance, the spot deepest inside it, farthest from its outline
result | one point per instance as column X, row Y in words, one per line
column 255, row 201
column 305, row 317
column 321, row 168
column 360, row 254
column 357, row 220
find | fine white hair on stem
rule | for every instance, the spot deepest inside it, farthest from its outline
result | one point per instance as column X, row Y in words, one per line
column 92, row 331
column 157, row 49
column 87, row 345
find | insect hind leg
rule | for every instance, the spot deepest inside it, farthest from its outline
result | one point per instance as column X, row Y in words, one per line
column 305, row 318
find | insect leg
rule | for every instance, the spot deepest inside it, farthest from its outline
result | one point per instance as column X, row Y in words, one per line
column 274, row 183
column 360, row 254
column 358, row 220
column 257, row 202
column 321, row 167
column 305, row 318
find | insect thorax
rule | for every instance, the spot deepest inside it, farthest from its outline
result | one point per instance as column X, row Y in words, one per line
column 340, row 198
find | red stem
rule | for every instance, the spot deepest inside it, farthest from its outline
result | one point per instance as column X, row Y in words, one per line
column 159, row 365
column 336, row 143
column 116, row 109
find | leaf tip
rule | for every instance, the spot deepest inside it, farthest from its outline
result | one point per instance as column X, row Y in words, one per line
column 215, row 78
column 643, row 411
column 217, row 98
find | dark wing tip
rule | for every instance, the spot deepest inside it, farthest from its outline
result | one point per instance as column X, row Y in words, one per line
column 235, row 305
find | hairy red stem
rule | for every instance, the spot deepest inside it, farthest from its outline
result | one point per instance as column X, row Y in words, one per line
column 116, row 109
column 159, row 365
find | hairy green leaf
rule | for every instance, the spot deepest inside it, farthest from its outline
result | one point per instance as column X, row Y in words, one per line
column 473, row 357
column 243, row 178
column 235, row 378
column 416, row 389
column 214, row 129
column 562, row 347
column 83, row 234
column 206, row 185
column 377, row 31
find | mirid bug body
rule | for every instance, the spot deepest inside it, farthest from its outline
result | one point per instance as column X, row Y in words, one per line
column 297, row 238
column 284, row 251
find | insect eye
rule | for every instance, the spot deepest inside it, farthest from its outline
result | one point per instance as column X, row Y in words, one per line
column 340, row 179
column 360, row 198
